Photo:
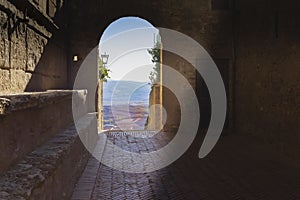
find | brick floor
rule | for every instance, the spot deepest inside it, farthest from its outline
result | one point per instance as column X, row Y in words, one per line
column 235, row 170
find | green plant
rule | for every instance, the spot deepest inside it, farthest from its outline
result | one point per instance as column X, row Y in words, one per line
column 103, row 71
column 155, row 53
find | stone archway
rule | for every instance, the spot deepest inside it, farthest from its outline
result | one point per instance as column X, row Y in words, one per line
column 128, row 42
column 87, row 19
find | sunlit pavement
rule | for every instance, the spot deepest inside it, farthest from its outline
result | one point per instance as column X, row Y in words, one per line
column 235, row 169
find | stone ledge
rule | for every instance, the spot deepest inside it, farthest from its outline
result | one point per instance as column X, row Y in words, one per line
column 20, row 132
column 10, row 103
column 51, row 171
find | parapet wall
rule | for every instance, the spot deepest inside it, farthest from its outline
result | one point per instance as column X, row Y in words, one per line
column 30, row 119
column 51, row 170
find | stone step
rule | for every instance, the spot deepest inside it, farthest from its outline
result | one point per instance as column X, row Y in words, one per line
column 51, row 171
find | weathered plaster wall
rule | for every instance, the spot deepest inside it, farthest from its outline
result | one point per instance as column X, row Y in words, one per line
column 155, row 120
column 212, row 30
column 260, row 40
column 267, row 73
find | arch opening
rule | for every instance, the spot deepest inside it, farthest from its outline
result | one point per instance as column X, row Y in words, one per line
column 129, row 63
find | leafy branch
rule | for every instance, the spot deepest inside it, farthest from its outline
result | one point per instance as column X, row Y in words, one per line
column 103, row 71
column 155, row 53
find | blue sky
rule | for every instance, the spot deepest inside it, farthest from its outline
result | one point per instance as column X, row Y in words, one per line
column 126, row 40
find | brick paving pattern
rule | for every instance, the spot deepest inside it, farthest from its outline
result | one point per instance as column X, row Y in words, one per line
column 235, row 170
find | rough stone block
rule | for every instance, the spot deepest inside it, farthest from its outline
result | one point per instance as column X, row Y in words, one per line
column 4, row 81
column 18, row 55
column 4, row 51
column 3, row 18
column 18, row 48
column 51, row 8
column 19, row 80
column 41, row 5
column 35, row 49
column 4, row 43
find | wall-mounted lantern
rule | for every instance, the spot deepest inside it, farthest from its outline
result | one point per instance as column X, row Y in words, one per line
column 75, row 58
column 104, row 58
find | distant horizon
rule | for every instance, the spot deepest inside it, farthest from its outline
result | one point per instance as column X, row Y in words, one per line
column 129, row 81
column 120, row 92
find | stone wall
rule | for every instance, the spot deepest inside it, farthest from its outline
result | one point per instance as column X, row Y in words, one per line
column 32, row 53
column 30, row 119
column 211, row 28
column 52, row 169
column 258, row 38
column 34, row 59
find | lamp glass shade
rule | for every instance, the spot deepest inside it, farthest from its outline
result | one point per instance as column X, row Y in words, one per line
column 104, row 58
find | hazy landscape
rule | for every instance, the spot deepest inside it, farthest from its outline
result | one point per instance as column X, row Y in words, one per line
column 125, row 104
